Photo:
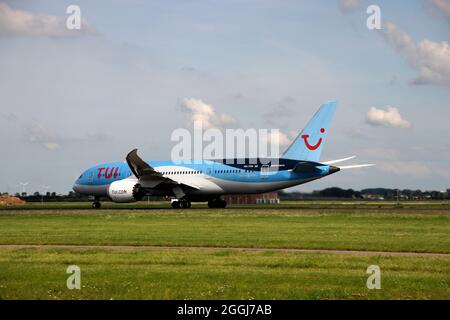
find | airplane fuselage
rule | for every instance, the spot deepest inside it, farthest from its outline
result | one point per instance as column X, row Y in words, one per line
column 210, row 177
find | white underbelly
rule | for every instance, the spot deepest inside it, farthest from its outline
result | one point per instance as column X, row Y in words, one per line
column 234, row 187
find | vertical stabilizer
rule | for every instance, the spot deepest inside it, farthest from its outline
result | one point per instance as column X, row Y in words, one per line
column 309, row 143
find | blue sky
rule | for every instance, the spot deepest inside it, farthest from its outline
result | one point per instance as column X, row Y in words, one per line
column 69, row 102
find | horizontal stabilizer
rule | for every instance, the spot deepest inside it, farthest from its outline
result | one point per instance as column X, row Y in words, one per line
column 356, row 166
column 339, row 160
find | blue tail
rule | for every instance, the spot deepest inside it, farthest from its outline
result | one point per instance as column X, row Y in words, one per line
column 309, row 143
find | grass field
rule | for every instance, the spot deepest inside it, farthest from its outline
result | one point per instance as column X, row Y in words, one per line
column 39, row 273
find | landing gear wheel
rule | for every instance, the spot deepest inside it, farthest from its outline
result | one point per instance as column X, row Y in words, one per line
column 96, row 205
column 183, row 204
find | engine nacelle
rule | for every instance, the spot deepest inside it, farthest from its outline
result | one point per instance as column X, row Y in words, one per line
column 125, row 191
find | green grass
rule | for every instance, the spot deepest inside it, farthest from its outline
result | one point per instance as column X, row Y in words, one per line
column 387, row 230
column 199, row 274
column 179, row 274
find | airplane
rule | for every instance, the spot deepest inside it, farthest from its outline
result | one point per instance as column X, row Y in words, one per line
column 209, row 180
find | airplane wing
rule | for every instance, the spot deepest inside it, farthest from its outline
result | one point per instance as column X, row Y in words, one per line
column 150, row 178
column 140, row 168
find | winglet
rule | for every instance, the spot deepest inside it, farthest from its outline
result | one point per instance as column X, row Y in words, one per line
column 139, row 166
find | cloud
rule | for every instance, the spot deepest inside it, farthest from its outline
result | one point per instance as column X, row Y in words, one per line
column 406, row 168
column 413, row 168
column 98, row 137
column 442, row 5
column 354, row 133
column 201, row 111
column 277, row 137
column 38, row 134
column 21, row 22
column 431, row 59
column 389, row 118
column 393, row 80
column 195, row 73
column 281, row 111
column 238, row 96
column 347, row 6
column 397, row 161
column 8, row 116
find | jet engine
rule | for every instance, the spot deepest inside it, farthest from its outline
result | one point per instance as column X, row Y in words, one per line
column 125, row 191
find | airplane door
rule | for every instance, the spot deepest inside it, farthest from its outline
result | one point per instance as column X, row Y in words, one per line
column 209, row 170
column 91, row 176
column 265, row 171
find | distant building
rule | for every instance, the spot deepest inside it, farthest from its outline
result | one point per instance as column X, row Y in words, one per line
column 372, row 197
column 262, row 198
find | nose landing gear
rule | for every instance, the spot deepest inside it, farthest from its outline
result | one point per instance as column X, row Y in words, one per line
column 96, row 204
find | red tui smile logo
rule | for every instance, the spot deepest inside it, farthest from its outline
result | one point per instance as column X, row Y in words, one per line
column 315, row 146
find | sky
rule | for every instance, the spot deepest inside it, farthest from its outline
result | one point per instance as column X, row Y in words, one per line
column 137, row 70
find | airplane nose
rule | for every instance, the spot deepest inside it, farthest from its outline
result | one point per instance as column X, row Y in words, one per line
column 75, row 187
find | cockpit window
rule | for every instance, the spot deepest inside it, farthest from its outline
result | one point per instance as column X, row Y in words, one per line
column 80, row 177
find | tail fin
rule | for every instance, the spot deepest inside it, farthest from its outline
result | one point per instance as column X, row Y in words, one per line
column 309, row 143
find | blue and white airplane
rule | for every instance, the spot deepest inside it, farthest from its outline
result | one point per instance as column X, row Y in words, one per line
column 208, row 180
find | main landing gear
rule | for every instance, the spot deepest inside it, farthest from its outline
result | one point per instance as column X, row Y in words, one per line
column 181, row 203
column 96, row 204
column 185, row 203
column 217, row 203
